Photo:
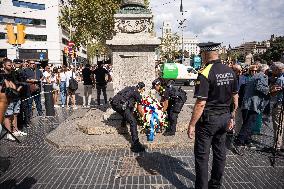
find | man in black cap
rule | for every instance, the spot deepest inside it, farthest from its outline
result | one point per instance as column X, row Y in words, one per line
column 123, row 103
column 172, row 101
column 215, row 87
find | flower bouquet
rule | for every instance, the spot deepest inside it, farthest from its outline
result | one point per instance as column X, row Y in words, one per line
column 155, row 119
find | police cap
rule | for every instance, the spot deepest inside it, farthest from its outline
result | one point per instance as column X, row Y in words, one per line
column 210, row 46
column 141, row 85
column 156, row 82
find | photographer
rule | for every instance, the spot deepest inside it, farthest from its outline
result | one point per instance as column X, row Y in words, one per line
column 277, row 98
column 8, row 80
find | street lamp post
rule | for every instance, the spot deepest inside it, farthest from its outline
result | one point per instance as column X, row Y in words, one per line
column 70, row 32
column 182, row 29
column 181, row 23
column 97, row 55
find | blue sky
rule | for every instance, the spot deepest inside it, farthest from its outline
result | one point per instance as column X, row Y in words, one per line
column 227, row 21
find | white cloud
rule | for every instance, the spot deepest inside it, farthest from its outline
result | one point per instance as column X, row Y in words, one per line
column 228, row 21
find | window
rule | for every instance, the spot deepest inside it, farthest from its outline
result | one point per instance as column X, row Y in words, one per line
column 2, row 35
column 26, row 21
column 31, row 37
column 29, row 5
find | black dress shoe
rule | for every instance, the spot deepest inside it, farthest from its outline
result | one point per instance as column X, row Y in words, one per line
column 251, row 146
column 137, row 147
column 238, row 149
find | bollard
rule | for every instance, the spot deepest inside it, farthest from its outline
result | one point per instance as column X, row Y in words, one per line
column 49, row 104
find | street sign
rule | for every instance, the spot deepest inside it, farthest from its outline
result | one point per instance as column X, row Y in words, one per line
column 197, row 62
column 71, row 43
column 41, row 56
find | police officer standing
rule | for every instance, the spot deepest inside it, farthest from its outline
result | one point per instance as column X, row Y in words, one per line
column 171, row 102
column 215, row 88
column 123, row 103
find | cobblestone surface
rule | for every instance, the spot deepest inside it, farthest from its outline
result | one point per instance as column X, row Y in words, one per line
column 34, row 164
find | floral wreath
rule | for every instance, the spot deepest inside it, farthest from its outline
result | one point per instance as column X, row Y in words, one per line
column 154, row 119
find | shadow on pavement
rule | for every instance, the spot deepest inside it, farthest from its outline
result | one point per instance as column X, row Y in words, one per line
column 79, row 99
column 167, row 166
column 4, row 165
column 27, row 183
column 102, row 108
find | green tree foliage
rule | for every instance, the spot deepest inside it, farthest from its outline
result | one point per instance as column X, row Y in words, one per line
column 92, row 22
column 94, row 48
column 168, row 50
column 90, row 19
column 147, row 3
column 276, row 50
column 236, row 55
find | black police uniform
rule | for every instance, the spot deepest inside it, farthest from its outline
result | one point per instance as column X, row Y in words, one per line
column 216, row 84
column 123, row 103
column 169, row 94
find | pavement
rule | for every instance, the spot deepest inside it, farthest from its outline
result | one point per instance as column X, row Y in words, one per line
column 36, row 164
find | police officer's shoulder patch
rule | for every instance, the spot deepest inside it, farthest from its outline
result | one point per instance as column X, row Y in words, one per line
column 205, row 72
column 197, row 82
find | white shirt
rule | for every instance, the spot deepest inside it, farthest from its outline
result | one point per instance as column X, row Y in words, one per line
column 63, row 77
column 46, row 75
column 53, row 78
column 69, row 76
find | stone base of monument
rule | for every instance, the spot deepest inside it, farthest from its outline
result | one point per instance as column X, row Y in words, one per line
column 93, row 131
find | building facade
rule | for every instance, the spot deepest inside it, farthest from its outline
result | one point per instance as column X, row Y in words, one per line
column 45, row 40
column 190, row 43
column 167, row 29
column 251, row 48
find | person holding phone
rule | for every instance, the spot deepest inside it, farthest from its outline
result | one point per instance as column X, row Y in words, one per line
column 276, row 91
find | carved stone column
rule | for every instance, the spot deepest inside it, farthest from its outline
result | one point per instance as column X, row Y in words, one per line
column 133, row 46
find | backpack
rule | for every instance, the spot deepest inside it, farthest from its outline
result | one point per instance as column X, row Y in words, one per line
column 179, row 97
column 181, row 94
column 73, row 84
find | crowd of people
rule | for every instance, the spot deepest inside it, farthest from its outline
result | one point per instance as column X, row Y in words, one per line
column 232, row 99
column 260, row 89
column 29, row 78
column 26, row 78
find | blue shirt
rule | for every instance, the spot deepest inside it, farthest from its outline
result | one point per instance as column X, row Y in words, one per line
column 256, row 93
column 30, row 74
column 280, row 83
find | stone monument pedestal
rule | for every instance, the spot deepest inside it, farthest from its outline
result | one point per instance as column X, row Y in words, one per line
column 133, row 51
